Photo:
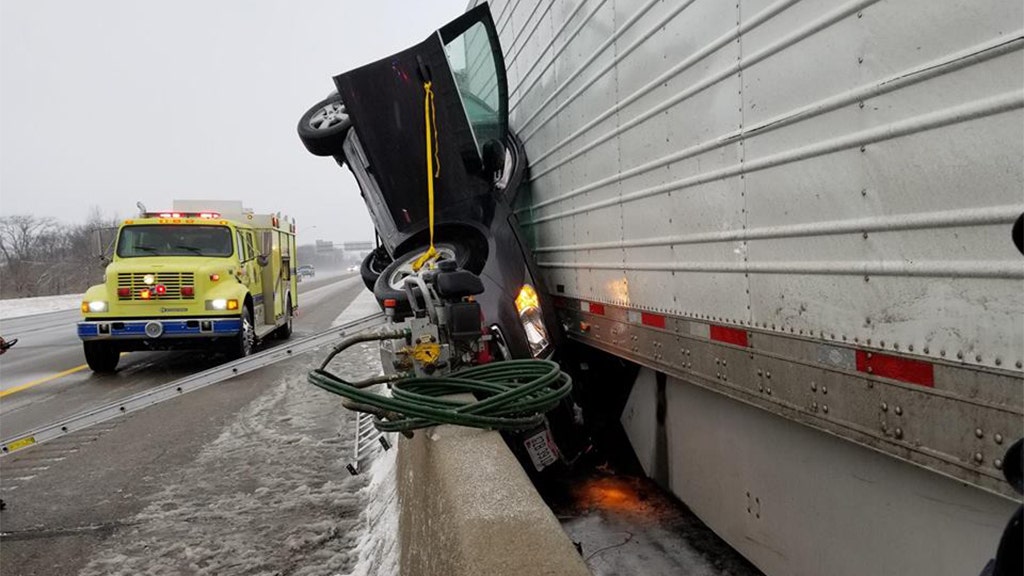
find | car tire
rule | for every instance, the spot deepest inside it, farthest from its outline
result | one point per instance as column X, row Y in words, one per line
column 388, row 285
column 373, row 266
column 323, row 128
column 285, row 331
column 102, row 357
column 245, row 341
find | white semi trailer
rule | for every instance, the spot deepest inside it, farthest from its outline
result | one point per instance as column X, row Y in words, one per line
column 795, row 215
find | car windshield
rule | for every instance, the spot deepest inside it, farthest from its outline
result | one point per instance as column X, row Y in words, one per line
column 174, row 240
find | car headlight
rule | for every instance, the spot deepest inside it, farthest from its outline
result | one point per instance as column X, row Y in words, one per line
column 528, row 306
column 94, row 306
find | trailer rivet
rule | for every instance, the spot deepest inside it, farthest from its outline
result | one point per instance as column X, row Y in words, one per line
column 979, row 433
column 977, row 358
column 998, row 438
column 759, row 372
column 871, row 370
column 927, row 350
column 999, row 361
column 998, row 464
column 724, row 363
column 942, row 353
column 910, row 348
column 881, row 343
column 978, row 457
column 814, row 406
column 718, row 375
column 898, row 433
column 725, row 377
column 898, row 410
column 1020, row 364
column 865, row 235
column 716, row 361
column 768, row 390
column 824, row 408
column 960, row 355
column 860, row 104
column 768, row 375
column 760, row 388
column 814, row 387
column 824, row 389
column 895, row 345
column 885, row 407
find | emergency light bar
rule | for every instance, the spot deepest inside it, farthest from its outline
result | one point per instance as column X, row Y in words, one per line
column 206, row 215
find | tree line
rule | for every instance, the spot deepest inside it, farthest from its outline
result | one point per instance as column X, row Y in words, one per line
column 40, row 256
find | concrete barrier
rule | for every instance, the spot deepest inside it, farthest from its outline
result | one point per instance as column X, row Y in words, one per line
column 467, row 508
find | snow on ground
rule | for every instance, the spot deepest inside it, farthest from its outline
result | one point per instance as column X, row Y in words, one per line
column 18, row 307
column 270, row 495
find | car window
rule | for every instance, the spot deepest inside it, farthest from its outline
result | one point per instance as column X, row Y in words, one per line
column 472, row 61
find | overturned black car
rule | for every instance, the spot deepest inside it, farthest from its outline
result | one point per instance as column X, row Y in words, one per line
column 425, row 132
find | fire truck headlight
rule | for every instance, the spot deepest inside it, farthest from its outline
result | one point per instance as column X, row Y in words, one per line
column 97, row 306
column 222, row 304
column 528, row 306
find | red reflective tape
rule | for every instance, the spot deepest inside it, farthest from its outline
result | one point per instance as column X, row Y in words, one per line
column 730, row 335
column 652, row 320
column 596, row 308
column 902, row 369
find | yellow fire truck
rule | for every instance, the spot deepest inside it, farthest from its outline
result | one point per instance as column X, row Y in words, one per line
column 204, row 274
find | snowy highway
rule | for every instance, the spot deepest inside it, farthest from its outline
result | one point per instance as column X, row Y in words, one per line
column 247, row 476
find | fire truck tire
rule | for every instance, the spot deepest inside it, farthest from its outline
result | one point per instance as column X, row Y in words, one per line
column 245, row 341
column 373, row 265
column 285, row 331
column 101, row 357
column 323, row 127
column 388, row 285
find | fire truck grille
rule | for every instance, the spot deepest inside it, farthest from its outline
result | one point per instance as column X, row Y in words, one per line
column 162, row 285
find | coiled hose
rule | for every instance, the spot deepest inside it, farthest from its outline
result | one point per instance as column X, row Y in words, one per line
column 515, row 394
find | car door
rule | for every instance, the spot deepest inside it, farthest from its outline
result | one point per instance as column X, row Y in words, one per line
column 389, row 105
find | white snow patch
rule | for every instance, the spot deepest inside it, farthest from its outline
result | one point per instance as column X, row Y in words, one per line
column 18, row 307
column 270, row 495
column 377, row 550
column 362, row 306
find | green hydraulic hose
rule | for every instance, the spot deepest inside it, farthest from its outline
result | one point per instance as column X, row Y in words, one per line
column 515, row 395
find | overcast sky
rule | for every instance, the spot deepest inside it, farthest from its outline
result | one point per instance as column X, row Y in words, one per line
column 109, row 102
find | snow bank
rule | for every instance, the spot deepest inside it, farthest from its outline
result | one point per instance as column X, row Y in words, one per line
column 18, row 307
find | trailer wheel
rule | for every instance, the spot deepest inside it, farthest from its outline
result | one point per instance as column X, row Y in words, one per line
column 373, row 266
column 285, row 331
column 102, row 357
column 245, row 341
column 389, row 285
column 323, row 127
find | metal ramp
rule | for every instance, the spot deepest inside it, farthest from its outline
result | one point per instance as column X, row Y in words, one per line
column 196, row 381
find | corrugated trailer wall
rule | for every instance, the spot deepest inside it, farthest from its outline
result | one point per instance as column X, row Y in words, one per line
column 817, row 181
column 847, row 170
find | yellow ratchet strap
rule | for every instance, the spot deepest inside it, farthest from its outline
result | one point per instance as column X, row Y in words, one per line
column 430, row 121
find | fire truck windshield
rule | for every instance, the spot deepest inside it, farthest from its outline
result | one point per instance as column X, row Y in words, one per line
column 171, row 240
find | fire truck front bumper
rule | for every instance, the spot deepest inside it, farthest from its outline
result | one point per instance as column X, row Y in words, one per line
column 158, row 329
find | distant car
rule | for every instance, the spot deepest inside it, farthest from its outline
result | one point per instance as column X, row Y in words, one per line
column 352, row 269
column 306, row 271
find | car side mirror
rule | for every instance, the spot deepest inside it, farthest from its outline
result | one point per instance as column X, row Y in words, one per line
column 263, row 259
column 493, row 156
